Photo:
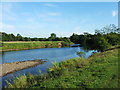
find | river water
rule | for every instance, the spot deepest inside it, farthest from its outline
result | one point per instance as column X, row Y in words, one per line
column 50, row 54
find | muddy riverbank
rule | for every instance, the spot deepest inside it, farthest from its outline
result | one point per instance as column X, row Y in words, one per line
column 7, row 68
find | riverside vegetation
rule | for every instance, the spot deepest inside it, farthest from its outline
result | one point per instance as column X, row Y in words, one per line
column 12, row 42
column 102, row 39
column 21, row 45
column 98, row 71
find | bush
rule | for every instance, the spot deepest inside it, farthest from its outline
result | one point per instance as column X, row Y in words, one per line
column 81, row 54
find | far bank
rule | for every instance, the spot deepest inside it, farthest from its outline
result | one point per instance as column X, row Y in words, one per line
column 24, row 45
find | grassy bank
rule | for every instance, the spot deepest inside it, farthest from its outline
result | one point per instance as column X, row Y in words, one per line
column 98, row 71
column 21, row 45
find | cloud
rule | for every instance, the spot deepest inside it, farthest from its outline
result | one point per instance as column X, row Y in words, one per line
column 63, row 33
column 114, row 13
column 6, row 27
column 54, row 14
column 51, row 16
column 80, row 30
column 6, row 7
column 50, row 19
column 25, row 14
column 7, row 11
column 77, row 28
column 30, row 20
column 43, row 15
column 50, row 5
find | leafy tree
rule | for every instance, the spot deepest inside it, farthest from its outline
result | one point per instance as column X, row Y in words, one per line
column 113, row 38
column 4, row 37
column 74, row 38
column 81, row 54
column 19, row 37
column 103, row 44
column 108, row 29
column 27, row 39
column 12, row 37
column 52, row 37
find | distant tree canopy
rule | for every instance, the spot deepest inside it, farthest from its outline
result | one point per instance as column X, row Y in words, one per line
column 18, row 37
column 108, row 29
column 52, row 37
column 101, row 40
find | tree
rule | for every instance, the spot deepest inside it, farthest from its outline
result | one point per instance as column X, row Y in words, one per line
column 74, row 38
column 102, row 44
column 19, row 37
column 4, row 37
column 52, row 37
column 81, row 54
column 113, row 38
column 12, row 37
column 108, row 29
column 27, row 39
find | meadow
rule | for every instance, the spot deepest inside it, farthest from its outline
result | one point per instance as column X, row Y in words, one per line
column 21, row 45
column 98, row 71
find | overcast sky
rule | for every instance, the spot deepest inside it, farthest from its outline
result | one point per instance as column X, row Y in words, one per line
column 39, row 19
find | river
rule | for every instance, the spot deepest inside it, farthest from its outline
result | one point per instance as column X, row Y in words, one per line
column 50, row 54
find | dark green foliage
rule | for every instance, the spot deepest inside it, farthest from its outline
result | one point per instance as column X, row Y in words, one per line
column 12, row 37
column 113, row 38
column 75, row 38
column 101, row 40
column 19, row 37
column 8, row 37
column 52, row 37
column 81, row 54
column 108, row 29
column 99, row 43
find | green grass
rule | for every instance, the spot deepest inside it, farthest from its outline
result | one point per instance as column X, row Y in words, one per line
column 20, row 45
column 98, row 71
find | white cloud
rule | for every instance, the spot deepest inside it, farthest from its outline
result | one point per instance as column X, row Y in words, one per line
column 30, row 20
column 50, row 19
column 25, row 14
column 7, row 11
column 6, row 7
column 44, row 15
column 51, row 16
column 114, row 13
column 80, row 30
column 54, row 14
column 50, row 5
column 63, row 34
column 6, row 27
column 77, row 28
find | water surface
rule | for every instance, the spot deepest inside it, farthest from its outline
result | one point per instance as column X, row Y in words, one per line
column 50, row 54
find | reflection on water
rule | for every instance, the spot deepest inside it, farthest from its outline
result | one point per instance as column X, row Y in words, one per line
column 51, row 54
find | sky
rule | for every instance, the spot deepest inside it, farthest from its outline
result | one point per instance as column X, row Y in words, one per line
column 40, row 19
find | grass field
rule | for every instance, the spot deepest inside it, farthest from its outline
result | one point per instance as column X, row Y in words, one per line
column 20, row 45
column 98, row 71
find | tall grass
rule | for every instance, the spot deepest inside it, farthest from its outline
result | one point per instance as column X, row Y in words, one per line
column 19, row 45
column 98, row 71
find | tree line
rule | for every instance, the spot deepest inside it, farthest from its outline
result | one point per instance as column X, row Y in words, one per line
column 102, row 39
column 18, row 37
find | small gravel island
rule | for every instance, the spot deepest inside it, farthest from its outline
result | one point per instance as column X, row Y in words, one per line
column 16, row 66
